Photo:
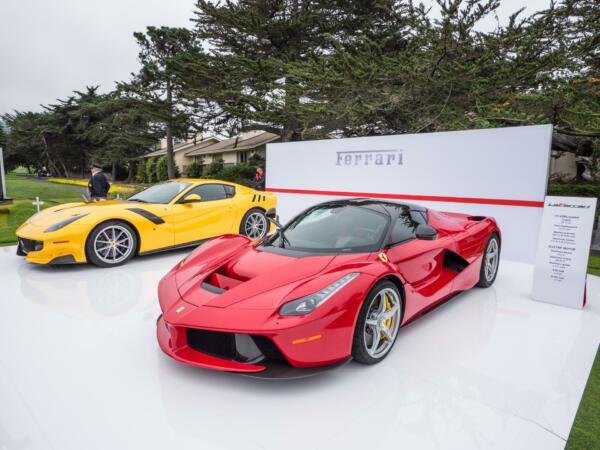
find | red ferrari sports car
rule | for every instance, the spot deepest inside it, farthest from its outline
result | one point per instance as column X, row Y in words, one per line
column 334, row 284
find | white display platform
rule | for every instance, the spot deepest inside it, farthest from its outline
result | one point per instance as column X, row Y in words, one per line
column 80, row 369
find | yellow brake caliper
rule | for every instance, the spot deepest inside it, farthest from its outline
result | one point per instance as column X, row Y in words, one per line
column 388, row 323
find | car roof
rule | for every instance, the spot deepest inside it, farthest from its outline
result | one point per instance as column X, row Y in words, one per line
column 388, row 205
column 201, row 180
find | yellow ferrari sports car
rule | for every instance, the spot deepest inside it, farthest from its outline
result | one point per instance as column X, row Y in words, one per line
column 174, row 214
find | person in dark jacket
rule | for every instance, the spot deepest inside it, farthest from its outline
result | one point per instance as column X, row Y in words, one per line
column 98, row 184
column 259, row 179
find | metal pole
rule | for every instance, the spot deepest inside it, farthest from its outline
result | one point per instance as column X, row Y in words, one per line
column 3, row 192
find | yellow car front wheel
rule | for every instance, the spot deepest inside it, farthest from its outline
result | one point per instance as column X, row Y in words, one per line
column 111, row 244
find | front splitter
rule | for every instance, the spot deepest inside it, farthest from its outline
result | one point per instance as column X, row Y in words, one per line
column 279, row 370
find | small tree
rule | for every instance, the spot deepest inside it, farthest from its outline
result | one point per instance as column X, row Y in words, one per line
column 214, row 168
column 162, row 172
column 195, row 169
column 151, row 170
column 140, row 175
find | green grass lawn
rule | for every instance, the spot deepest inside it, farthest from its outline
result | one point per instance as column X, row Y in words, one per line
column 23, row 190
column 585, row 434
column 594, row 265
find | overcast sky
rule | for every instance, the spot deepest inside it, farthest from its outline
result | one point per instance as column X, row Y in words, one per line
column 48, row 48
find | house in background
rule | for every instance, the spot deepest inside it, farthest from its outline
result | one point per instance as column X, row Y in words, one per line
column 181, row 148
column 235, row 150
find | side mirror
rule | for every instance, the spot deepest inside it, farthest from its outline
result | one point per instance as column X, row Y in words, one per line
column 426, row 232
column 192, row 198
column 271, row 214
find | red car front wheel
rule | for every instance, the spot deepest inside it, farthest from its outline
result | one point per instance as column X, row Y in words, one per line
column 378, row 324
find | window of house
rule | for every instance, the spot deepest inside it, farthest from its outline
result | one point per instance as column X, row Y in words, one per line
column 242, row 157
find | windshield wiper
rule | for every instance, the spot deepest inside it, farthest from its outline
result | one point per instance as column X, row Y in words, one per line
column 283, row 239
column 136, row 200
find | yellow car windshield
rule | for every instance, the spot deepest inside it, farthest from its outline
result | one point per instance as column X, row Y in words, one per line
column 160, row 193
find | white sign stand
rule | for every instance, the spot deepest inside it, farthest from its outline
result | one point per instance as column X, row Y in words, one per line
column 37, row 203
column 563, row 251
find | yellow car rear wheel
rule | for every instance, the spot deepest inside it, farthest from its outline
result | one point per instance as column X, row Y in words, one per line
column 255, row 224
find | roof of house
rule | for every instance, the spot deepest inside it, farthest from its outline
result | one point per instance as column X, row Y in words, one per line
column 245, row 141
column 187, row 146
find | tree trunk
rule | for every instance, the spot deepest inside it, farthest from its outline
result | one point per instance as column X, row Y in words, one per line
column 114, row 171
column 66, row 172
column 170, row 153
column 131, row 172
column 53, row 167
column 46, row 154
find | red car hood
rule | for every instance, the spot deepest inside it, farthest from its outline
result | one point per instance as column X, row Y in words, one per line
column 244, row 273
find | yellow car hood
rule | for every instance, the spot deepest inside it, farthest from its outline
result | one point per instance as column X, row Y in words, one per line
column 50, row 216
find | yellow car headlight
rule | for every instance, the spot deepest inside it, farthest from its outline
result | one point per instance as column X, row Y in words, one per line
column 63, row 223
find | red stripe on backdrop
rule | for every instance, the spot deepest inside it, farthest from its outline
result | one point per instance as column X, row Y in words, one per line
column 428, row 198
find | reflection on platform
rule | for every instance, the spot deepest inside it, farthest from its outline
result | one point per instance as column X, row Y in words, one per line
column 85, row 291
column 80, row 368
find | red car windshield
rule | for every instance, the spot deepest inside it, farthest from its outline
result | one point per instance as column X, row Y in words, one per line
column 334, row 229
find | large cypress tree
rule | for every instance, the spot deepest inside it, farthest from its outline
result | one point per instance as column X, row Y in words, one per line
column 156, row 85
column 87, row 126
column 245, row 80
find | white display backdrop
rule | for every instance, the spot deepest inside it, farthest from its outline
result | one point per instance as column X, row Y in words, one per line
column 500, row 172
column 563, row 251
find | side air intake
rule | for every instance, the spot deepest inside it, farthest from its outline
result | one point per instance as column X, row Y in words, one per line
column 454, row 261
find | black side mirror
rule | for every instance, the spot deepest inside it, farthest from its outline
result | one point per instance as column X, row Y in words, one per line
column 271, row 214
column 426, row 232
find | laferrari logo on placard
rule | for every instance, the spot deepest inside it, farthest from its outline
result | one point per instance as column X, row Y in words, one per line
column 370, row 158
column 568, row 205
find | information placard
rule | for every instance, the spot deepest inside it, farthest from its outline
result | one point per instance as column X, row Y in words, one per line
column 563, row 250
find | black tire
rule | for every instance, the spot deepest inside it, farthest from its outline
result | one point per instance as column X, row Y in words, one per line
column 486, row 277
column 360, row 351
column 127, row 247
column 255, row 216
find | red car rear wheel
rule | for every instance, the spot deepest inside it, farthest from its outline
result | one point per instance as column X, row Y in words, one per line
column 490, row 262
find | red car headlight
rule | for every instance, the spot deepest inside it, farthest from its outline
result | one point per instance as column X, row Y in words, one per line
column 308, row 304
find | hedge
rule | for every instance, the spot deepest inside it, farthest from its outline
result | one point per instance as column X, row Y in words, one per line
column 240, row 173
column 574, row 189
column 114, row 188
